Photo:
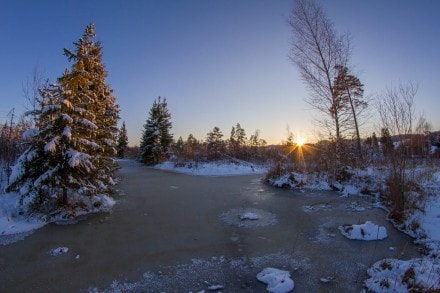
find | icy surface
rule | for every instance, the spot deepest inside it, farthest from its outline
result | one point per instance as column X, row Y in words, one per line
column 213, row 168
column 200, row 275
column 278, row 281
column 367, row 231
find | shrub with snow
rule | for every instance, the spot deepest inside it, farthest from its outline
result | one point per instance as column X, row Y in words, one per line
column 415, row 275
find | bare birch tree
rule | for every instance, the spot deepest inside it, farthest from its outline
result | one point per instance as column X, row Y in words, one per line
column 317, row 50
column 397, row 115
column 31, row 92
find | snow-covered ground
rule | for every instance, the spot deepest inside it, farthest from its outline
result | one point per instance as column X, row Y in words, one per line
column 219, row 168
column 11, row 222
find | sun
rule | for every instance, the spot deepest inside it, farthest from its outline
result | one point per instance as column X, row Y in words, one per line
column 300, row 141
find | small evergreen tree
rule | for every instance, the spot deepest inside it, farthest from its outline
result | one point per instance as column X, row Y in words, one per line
column 374, row 141
column 192, row 148
column 156, row 138
column 215, row 143
column 122, row 141
column 386, row 142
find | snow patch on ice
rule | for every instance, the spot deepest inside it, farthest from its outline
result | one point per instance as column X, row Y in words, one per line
column 367, row 231
column 249, row 216
column 258, row 218
column 58, row 251
column 278, row 281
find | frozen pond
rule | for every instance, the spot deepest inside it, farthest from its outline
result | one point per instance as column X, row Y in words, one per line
column 179, row 233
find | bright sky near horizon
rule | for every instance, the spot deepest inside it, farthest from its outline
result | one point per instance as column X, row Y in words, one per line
column 218, row 62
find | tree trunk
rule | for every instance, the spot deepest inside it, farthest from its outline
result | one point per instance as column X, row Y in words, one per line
column 65, row 198
column 358, row 137
column 338, row 145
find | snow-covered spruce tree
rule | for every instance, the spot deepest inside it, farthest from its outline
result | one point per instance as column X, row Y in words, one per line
column 87, row 81
column 156, row 137
column 68, row 153
column 122, row 141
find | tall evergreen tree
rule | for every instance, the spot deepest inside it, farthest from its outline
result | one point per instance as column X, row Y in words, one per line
column 122, row 141
column 349, row 92
column 86, row 80
column 237, row 140
column 68, row 152
column 156, row 138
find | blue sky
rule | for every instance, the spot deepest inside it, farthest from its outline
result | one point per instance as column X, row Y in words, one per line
column 218, row 62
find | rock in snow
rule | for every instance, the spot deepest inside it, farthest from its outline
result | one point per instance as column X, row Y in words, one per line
column 278, row 281
column 367, row 231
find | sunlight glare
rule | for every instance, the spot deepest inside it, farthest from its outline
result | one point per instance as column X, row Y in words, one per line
column 300, row 141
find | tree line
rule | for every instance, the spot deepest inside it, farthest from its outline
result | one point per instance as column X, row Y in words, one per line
column 157, row 142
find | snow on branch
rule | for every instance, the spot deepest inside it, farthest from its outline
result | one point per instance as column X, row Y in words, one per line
column 67, row 103
column 30, row 133
column 87, row 142
column 86, row 122
column 51, row 146
column 79, row 159
column 50, row 108
column 67, row 118
column 67, row 132
column 49, row 173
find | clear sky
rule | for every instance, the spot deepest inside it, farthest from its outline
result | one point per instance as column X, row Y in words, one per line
column 218, row 62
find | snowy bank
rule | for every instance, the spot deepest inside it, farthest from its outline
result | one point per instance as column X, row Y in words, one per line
column 11, row 222
column 15, row 226
column 219, row 168
column 393, row 275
